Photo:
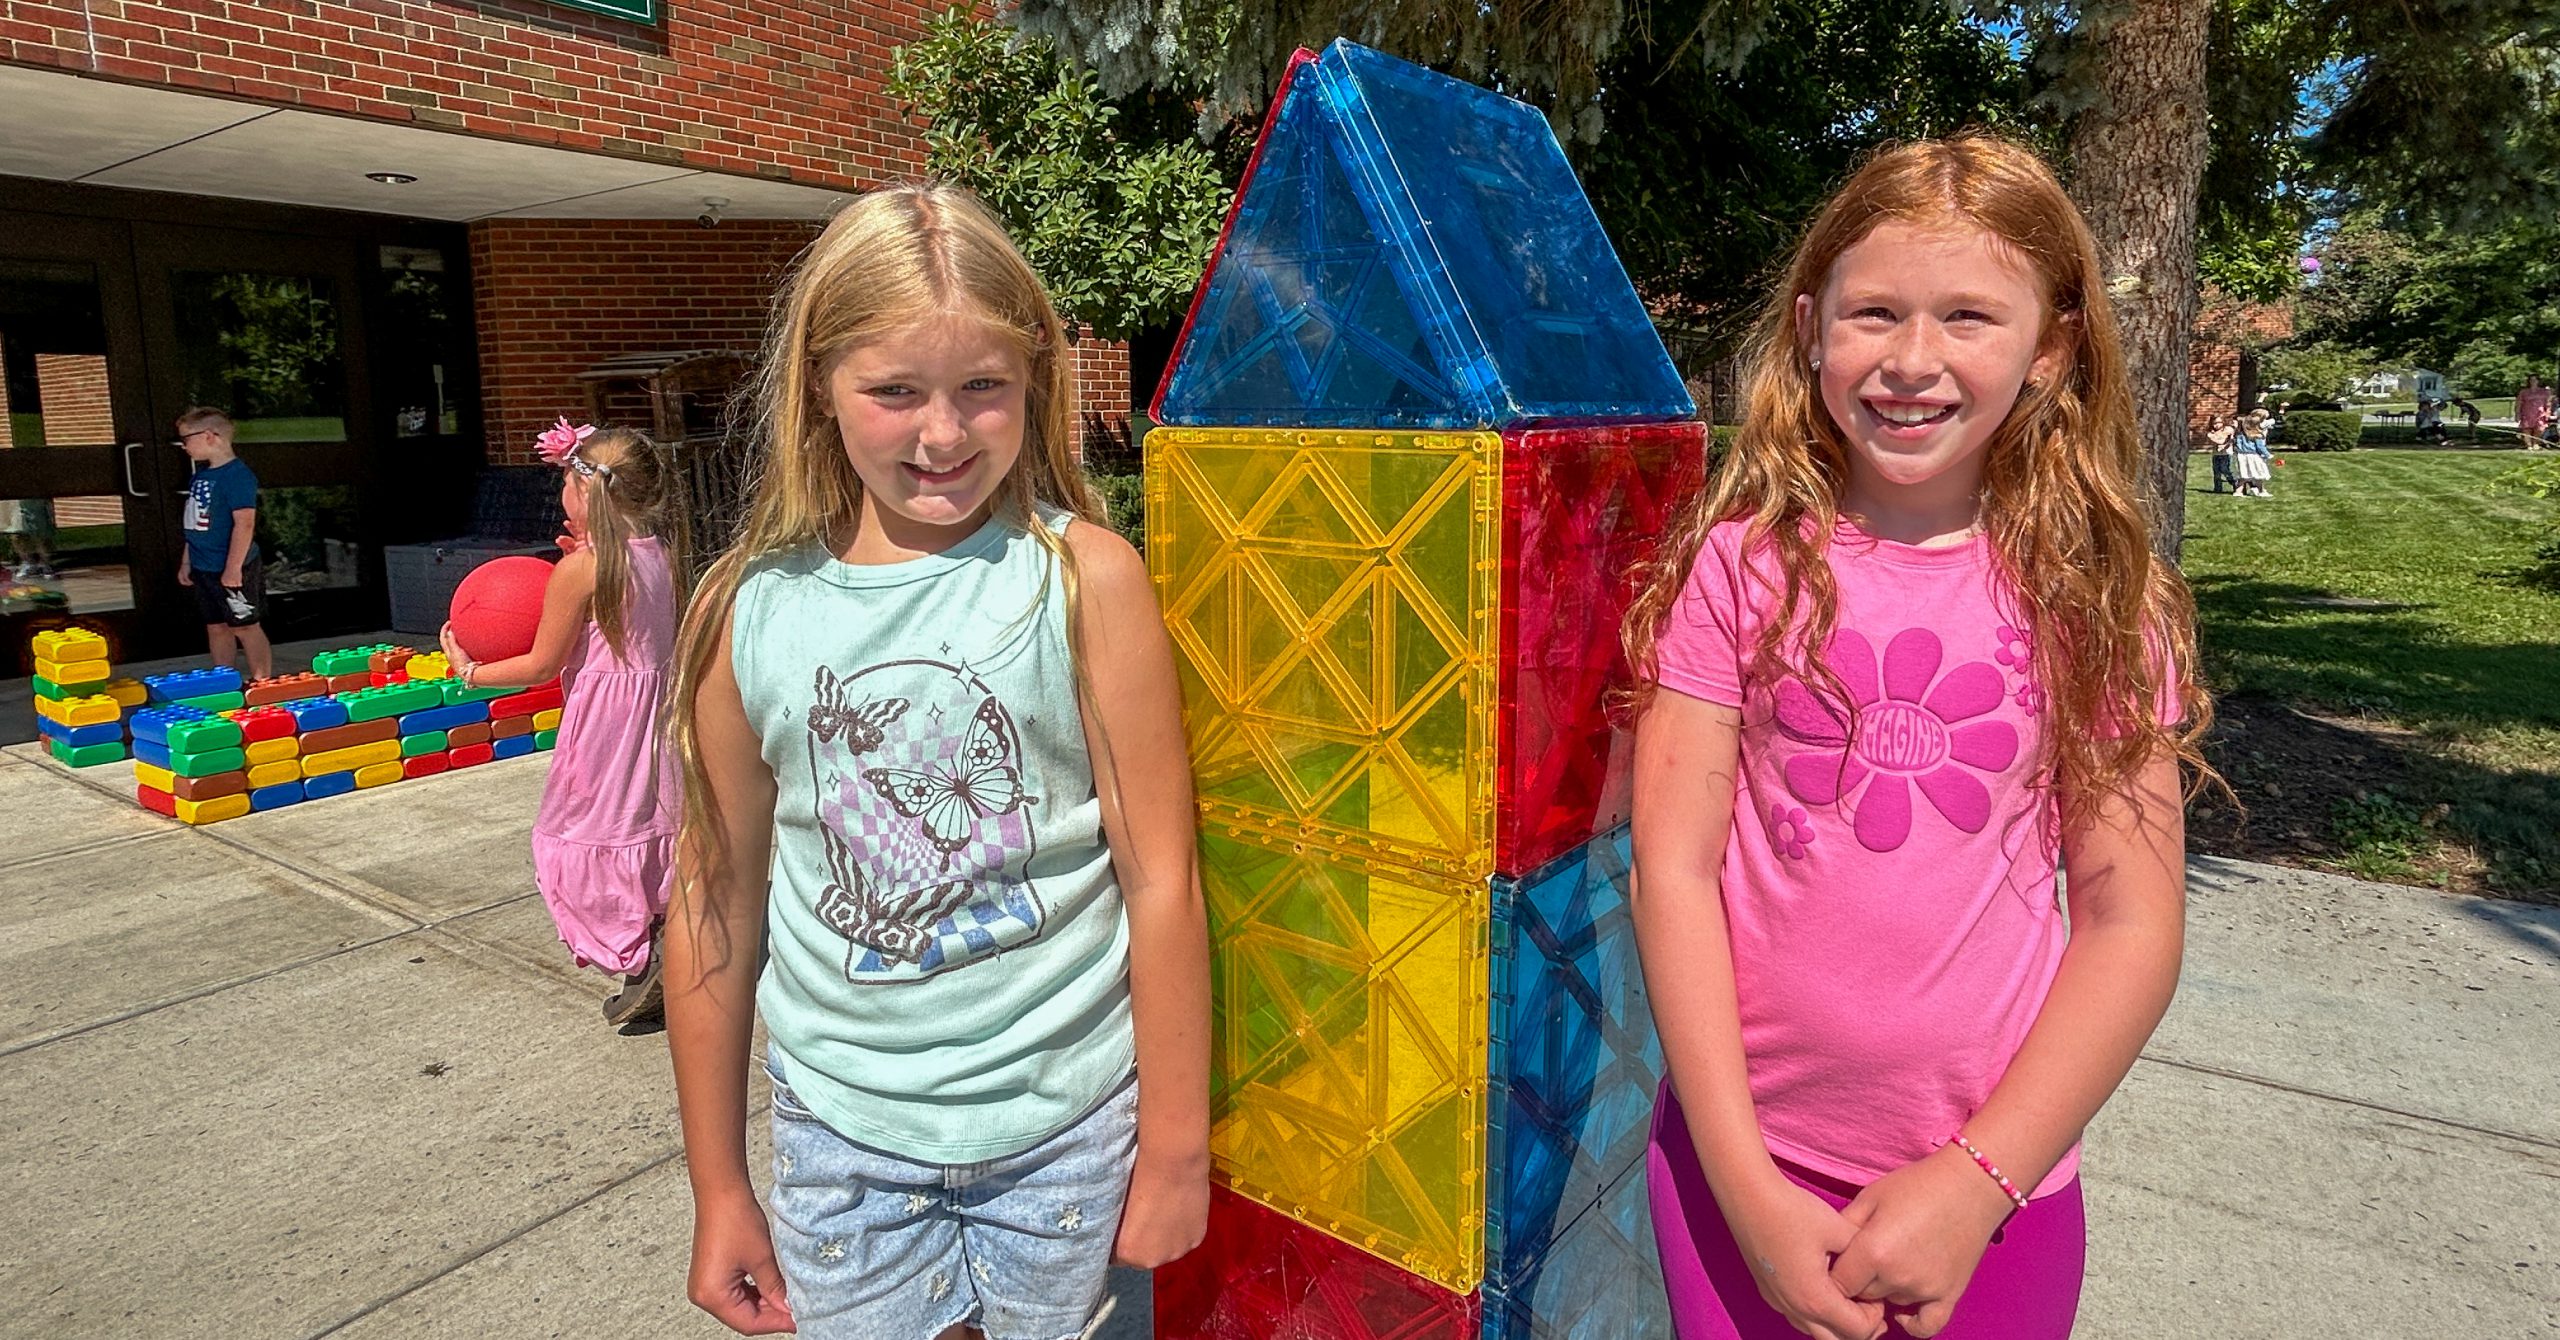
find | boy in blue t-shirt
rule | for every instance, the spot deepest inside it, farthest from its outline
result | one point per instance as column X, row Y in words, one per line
column 220, row 527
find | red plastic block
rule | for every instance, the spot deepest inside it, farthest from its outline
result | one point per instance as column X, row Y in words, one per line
column 1582, row 511
column 471, row 755
column 424, row 765
column 527, row 703
column 263, row 723
column 380, row 680
column 1261, row 1275
column 157, row 801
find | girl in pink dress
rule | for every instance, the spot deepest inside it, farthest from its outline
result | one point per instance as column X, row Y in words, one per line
column 604, row 839
column 2533, row 411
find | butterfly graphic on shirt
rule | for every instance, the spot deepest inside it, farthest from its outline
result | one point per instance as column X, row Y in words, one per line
column 897, row 926
column 834, row 713
column 951, row 801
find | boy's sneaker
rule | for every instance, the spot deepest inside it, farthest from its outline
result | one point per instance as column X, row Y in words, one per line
column 642, row 998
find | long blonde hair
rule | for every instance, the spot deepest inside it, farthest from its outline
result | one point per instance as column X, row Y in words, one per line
column 889, row 262
column 628, row 496
column 2113, row 625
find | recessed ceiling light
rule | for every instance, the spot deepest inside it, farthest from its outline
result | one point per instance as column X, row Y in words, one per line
column 390, row 178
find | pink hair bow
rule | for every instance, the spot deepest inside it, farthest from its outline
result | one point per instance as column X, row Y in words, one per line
column 558, row 444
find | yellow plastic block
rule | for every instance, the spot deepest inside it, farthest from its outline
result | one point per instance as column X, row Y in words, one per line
column 377, row 774
column 282, row 748
column 1332, row 598
column 428, row 665
column 275, row 773
column 95, row 710
column 353, row 758
column 547, row 719
column 1350, row 1025
column 212, row 811
column 158, row 779
column 69, row 644
column 128, row 693
column 73, row 672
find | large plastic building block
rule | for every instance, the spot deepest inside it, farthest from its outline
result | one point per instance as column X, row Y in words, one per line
column 1602, row 1280
column 316, row 714
column 128, row 693
column 69, row 644
column 546, row 739
column 428, row 665
column 1583, row 510
column 1349, row 1022
column 90, row 710
column 202, row 735
column 1330, row 596
column 265, row 723
column 191, row 765
column 502, row 728
column 372, row 775
column 354, row 681
column 285, row 689
column 426, row 765
column 46, row 688
column 215, row 702
column 1575, row 1062
column 396, row 700
column 443, row 718
column 526, row 702
column 212, row 786
column 185, row 684
column 211, row 811
column 87, row 755
column 275, row 796
column 277, row 773
column 155, row 800
column 1260, row 1276
column 389, row 660
column 153, row 777
column 350, row 758
column 284, row 749
column 328, row 784
column 1412, row 251
column 346, row 660
column 476, row 732
column 455, row 691
column 472, row 755
column 546, row 719
column 349, row 735
column 511, row 746
column 80, row 737
column 152, row 725
column 425, row 742
column 73, row 674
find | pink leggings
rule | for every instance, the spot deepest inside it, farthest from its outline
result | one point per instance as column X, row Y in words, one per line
column 2027, row 1287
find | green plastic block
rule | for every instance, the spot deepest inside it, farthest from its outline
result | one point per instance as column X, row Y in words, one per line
column 46, row 688
column 217, row 702
column 454, row 692
column 208, row 763
column 201, row 737
column 347, row 661
column 391, row 700
column 544, row 739
column 87, row 755
column 411, row 746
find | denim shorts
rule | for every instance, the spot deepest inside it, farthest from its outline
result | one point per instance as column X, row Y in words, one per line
column 878, row 1247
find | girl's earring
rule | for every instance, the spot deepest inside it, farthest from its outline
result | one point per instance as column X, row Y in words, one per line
column 1813, row 365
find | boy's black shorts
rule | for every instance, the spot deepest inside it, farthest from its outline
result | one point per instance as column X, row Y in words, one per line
column 239, row 609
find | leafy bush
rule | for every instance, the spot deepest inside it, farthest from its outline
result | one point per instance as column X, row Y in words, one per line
column 1125, row 495
column 2322, row 430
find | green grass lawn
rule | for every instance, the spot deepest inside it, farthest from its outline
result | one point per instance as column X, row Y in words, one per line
column 2387, row 603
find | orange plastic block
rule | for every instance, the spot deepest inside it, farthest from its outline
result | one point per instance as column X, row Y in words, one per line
column 1332, row 600
column 1351, row 1034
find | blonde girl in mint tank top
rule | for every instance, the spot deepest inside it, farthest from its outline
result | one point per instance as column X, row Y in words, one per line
column 938, row 830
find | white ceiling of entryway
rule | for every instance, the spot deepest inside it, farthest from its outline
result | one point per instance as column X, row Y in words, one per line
column 64, row 127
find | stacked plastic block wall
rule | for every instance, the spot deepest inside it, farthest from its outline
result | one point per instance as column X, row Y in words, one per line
column 1421, row 438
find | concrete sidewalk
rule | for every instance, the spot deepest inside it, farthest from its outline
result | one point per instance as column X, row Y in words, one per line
column 327, row 1072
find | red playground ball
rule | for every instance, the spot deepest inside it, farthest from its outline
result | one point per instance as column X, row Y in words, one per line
column 499, row 606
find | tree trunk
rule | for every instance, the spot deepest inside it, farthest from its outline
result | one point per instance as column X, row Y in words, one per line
column 2137, row 158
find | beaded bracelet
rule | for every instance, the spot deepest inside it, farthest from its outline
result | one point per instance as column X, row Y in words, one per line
column 2007, row 1187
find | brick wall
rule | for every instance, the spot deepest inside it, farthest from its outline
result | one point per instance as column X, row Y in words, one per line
column 71, row 389
column 2228, row 336
column 787, row 90
column 1102, row 394
column 556, row 297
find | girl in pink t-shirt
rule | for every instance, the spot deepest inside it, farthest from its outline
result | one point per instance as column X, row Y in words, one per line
column 1883, row 1041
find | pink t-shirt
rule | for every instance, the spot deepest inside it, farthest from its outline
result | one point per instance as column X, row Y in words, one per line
column 1890, row 889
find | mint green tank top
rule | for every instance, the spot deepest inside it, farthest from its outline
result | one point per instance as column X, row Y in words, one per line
column 949, row 970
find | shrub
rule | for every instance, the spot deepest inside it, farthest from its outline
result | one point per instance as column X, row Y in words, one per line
column 2322, row 430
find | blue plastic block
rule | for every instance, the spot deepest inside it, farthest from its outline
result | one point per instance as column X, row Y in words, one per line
column 1575, row 1061
column 328, row 784
column 1412, row 251
column 76, row 737
column 443, row 718
column 279, row 795
column 151, row 724
column 513, row 746
column 310, row 714
column 191, row 684
column 1602, row 1280
column 144, row 751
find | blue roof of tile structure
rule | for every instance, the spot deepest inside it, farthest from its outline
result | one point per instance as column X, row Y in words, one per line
column 1411, row 251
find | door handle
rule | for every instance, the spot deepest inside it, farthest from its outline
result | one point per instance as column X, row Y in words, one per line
column 129, row 449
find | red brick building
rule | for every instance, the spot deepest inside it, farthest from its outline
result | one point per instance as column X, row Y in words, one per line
column 2222, row 363
column 388, row 234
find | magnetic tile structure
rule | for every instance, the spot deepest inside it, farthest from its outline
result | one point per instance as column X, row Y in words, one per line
column 1419, row 440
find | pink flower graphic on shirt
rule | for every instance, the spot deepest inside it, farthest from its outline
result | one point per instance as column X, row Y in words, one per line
column 2018, row 652
column 1790, row 831
column 1913, row 728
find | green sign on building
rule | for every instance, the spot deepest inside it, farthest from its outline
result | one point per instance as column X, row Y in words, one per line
column 637, row 11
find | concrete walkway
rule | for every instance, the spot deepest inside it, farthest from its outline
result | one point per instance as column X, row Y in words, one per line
column 326, row 1072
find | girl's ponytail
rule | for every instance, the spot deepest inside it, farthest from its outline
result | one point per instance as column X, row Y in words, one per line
column 627, row 496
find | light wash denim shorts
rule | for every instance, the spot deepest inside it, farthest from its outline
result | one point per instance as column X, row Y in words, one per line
column 879, row 1247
